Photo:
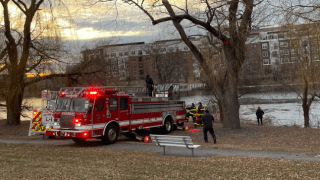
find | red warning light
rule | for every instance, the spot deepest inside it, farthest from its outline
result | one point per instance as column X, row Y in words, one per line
column 34, row 112
column 85, row 134
column 93, row 92
column 224, row 42
column 76, row 121
column 186, row 128
column 146, row 139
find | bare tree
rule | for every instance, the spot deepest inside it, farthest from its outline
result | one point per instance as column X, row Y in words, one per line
column 30, row 42
column 168, row 61
column 235, row 18
column 301, row 72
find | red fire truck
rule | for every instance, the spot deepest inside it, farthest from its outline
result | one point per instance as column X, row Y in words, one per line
column 104, row 113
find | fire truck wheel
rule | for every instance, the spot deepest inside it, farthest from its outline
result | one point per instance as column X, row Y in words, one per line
column 167, row 128
column 111, row 134
column 78, row 140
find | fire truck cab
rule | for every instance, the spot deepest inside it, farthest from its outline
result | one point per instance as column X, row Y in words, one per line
column 104, row 113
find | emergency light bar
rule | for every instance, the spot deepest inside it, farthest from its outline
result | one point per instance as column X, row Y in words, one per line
column 93, row 92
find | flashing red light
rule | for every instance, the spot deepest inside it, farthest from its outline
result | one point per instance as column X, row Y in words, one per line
column 224, row 42
column 34, row 112
column 186, row 128
column 85, row 134
column 93, row 92
column 76, row 121
column 146, row 139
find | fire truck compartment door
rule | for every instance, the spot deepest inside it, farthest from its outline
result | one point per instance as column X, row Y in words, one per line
column 112, row 110
column 98, row 111
column 124, row 111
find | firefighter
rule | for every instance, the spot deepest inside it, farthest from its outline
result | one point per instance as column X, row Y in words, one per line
column 149, row 83
column 200, row 111
column 192, row 112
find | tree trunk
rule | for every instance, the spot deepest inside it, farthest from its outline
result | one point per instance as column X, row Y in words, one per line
column 14, row 102
column 305, row 107
column 306, row 116
column 230, row 105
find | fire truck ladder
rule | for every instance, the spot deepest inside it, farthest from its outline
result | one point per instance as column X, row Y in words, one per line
column 76, row 91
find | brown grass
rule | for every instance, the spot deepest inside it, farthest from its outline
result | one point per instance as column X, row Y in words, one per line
column 73, row 162
column 249, row 137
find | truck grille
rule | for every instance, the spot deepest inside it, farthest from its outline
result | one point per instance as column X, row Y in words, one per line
column 66, row 122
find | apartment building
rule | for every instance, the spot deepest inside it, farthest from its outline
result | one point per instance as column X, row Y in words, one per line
column 165, row 61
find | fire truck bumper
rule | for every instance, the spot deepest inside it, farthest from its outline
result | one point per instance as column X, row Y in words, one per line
column 68, row 133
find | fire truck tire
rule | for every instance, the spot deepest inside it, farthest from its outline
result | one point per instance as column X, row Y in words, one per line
column 78, row 140
column 167, row 128
column 111, row 134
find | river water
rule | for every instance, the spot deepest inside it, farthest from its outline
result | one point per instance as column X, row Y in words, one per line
column 276, row 114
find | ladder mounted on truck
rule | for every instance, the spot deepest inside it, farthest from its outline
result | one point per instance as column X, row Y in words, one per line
column 76, row 91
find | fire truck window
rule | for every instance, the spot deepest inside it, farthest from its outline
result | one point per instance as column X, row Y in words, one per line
column 63, row 105
column 113, row 103
column 99, row 104
column 123, row 103
column 77, row 105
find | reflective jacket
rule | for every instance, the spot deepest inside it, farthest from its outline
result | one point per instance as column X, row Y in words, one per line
column 192, row 110
column 200, row 110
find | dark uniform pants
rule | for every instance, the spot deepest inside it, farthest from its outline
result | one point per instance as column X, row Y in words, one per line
column 205, row 131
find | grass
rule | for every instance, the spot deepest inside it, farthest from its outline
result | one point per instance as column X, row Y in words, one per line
column 72, row 162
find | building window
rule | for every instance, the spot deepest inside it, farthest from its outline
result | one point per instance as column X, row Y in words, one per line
column 253, row 46
column 133, row 52
column 283, row 35
column 126, row 53
column 281, row 51
column 147, row 58
column 133, row 58
column 264, row 45
column 266, row 61
column 273, row 36
column 274, row 53
column 265, row 53
column 186, row 48
column 120, row 54
column 140, row 59
column 113, row 54
column 140, row 65
column 141, row 72
column 134, row 72
column 283, row 44
column 294, row 59
column 286, row 52
column 133, row 66
column 139, row 52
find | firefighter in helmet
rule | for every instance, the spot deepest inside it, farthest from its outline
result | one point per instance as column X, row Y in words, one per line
column 192, row 112
column 200, row 111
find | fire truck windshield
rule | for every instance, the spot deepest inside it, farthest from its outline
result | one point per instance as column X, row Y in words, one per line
column 78, row 105
column 63, row 105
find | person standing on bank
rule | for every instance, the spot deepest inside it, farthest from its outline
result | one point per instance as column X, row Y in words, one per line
column 207, row 120
column 149, row 83
column 259, row 114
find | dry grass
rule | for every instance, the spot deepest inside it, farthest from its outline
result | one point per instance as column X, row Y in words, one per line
column 249, row 137
column 72, row 162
